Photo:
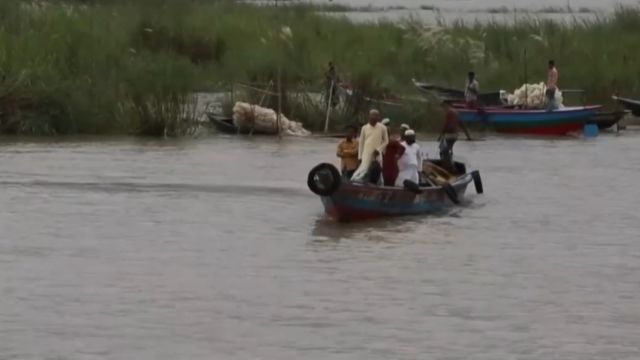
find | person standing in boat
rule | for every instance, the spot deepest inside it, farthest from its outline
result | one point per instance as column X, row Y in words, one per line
column 392, row 154
column 373, row 141
column 471, row 91
column 449, row 135
column 410, row 162
column 348, row 153
column 552, row 86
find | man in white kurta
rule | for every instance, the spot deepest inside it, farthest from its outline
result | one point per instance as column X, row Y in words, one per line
column 410, row 162
column 373, row 140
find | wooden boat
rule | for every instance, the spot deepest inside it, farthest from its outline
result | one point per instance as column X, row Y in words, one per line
column 606, row 119
column 223, row 124
column 629, row 104
column 531, row 122
column 456, row 95
column 347, row 201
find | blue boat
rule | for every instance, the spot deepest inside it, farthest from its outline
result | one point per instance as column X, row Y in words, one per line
column 533, row 122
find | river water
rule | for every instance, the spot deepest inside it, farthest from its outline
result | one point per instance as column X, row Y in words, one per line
column 214, row 249
column 470, row 11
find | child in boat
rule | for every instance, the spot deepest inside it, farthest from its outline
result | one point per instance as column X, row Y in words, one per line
column 348, row 153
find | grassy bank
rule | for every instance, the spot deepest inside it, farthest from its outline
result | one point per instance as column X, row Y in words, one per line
column 115, row 67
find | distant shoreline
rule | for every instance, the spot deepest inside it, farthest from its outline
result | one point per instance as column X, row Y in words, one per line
column 131, row 68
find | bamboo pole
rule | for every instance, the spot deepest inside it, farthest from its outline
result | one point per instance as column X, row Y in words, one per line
column 279, row 102
column 279, row 79
column 326, row 121
column 526, row 81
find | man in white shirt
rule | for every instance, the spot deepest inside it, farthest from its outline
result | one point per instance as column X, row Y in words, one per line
column 373, row 140
column 471, row 91
column 410, row 163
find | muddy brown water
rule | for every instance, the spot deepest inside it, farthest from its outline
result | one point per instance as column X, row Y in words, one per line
column 214, row 249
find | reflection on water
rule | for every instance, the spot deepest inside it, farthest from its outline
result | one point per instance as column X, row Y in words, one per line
column 215, row 248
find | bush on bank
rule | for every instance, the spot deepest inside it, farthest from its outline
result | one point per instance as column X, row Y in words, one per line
column 107, row 67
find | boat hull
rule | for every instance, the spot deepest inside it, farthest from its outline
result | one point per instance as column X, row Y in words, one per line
column 357, row 202
column 457, row 95
column 629, row 104
column 225, row 125
column 606, row 120
column 531, row 122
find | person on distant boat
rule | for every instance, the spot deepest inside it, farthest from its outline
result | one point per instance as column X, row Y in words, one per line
column 392, row 154
column 552, row 85
column 331, row 76
column 410, row 163
column 471, row 91
column 348, row 153
column 373, row 141
column 449, row 135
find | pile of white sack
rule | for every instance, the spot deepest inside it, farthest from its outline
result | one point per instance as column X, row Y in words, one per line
column 247, row 117
column 532, row 95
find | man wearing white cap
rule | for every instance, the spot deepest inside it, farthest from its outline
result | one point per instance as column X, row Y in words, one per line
column 403, row 128
column 373, row 140
column 411, row 161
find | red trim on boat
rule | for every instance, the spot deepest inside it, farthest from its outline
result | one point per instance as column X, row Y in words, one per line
column 559, row 130
column 343, row 213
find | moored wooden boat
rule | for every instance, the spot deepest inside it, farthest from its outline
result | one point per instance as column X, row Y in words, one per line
column 223, row 124
column 629, row 104
column 606, row 119
column 456, row 95
column 347, row 201
column 531, row 122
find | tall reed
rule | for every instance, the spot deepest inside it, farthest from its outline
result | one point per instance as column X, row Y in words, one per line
column 128, row 67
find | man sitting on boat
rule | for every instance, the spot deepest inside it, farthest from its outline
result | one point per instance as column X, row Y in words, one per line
column 552, row 86
column 471, row 91
column 410, row 162
column 373, row 141
column 348, row 153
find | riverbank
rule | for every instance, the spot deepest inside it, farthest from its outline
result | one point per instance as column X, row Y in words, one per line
column 118, row 68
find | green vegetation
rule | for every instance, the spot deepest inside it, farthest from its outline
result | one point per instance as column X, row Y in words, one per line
column 118, row 67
